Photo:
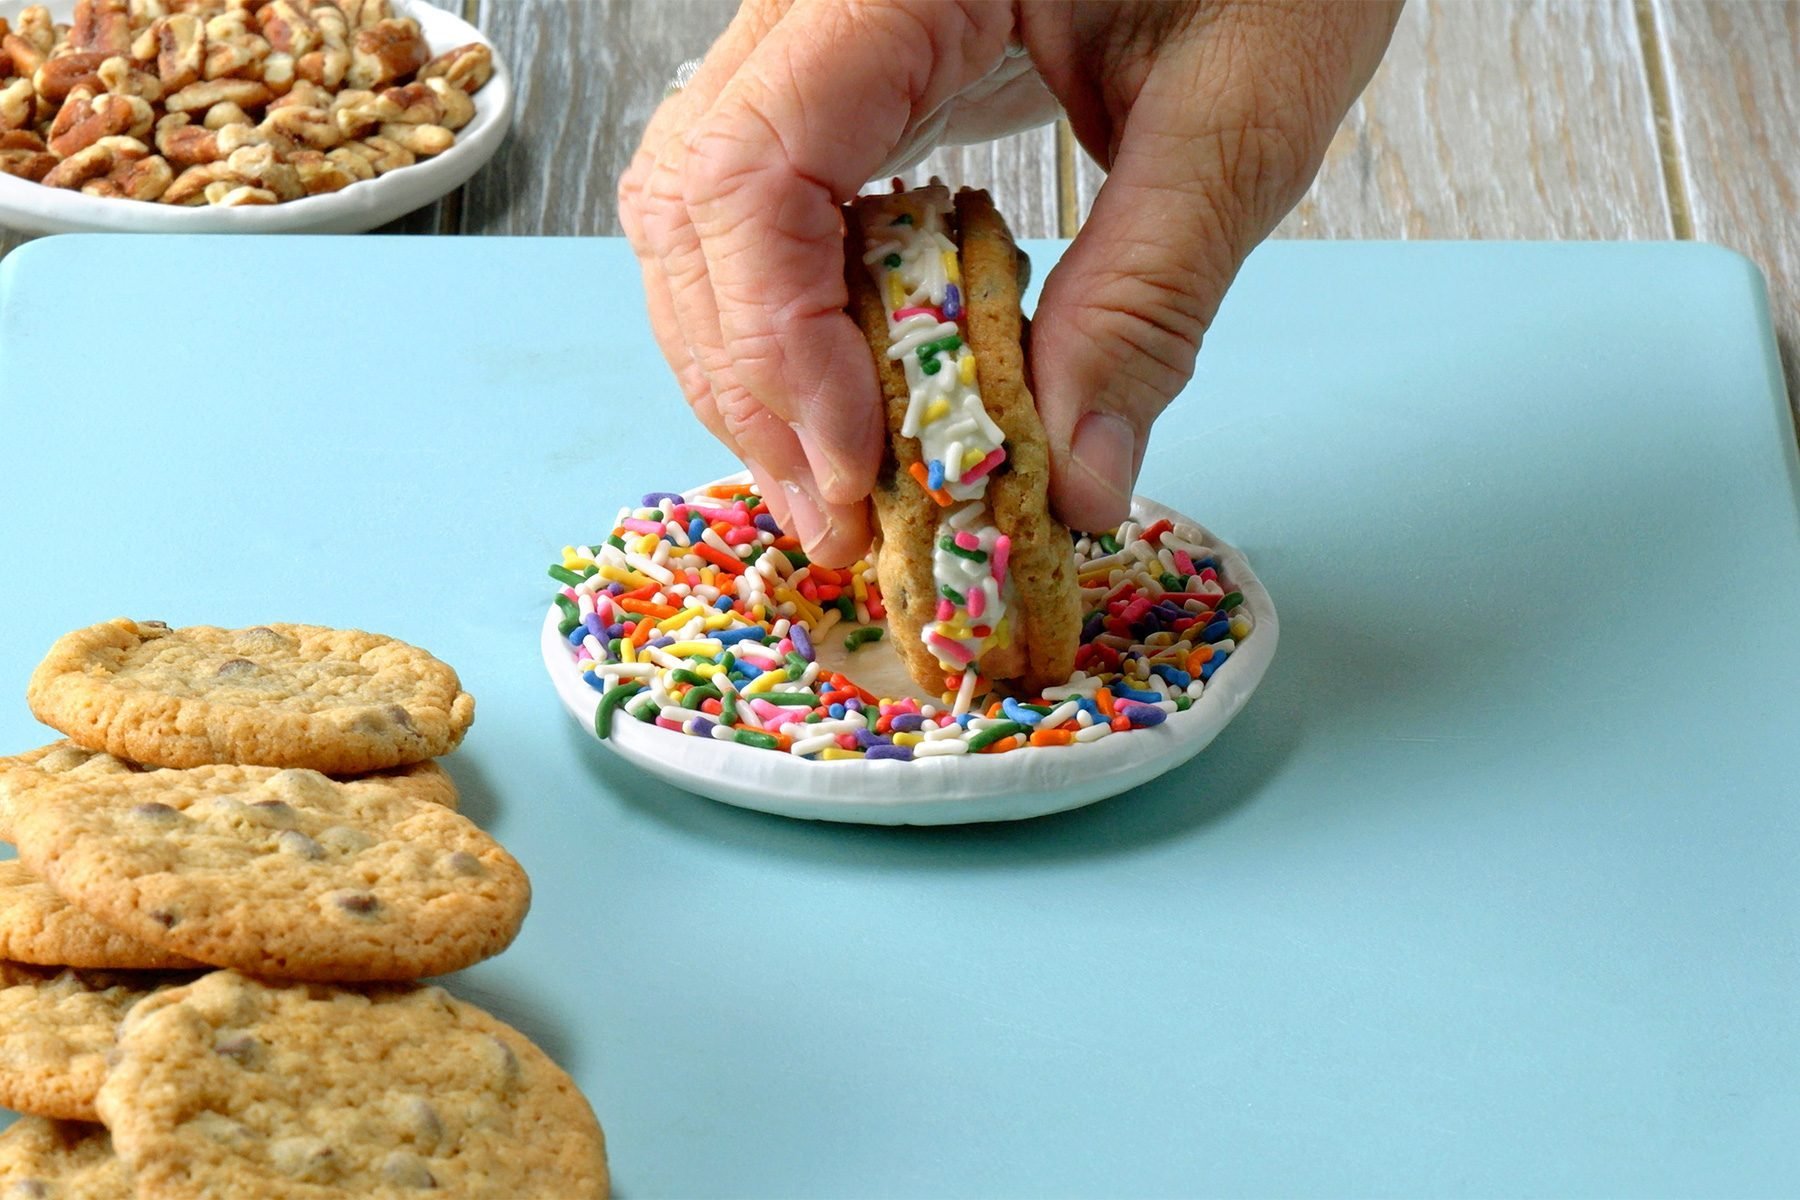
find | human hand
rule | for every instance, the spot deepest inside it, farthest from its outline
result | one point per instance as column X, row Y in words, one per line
column 1211, row 116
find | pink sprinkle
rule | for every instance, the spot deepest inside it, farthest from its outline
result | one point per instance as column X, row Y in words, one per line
column 668, row 724
column 968, row 541
column 742, row 534
column 582, row 654
column 1002, row 552
column 637, row 526
column 977, row 601
column 948, row 650
column 679, row 513
column 730, row 516
column 570, row 593
column 1210, row 575
column 1183, row 562
column 900, row 314
column 784, row 647
column 995, row 457
column 945, row 610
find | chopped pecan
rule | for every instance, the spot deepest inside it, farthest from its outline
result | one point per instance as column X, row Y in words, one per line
column 26, row 58
column 138, row 179
column 383, row 154
column 224, row 114
column 27, row 164
column 62, row 73
column 226, row 194
column 245, row 93
column 144, row 12
column 18, row 104
column 86, row 118
column 119, row 76
column 185, row 144
column 261, row 167
column 421, row 140
column 384, row 52
column 459, row 110
column 103, row 26
column 319, row 174
column 313, row 126
column 35, row 27
column 278, row 71
column 289, row 26
column 331, row 61
column 190, row 186
column 232, row 51
column 97, row 160
column 21, row 139
column 356, row 112
column 304, row 94
column 468, row 67
column 414, row 104
column 180, row 50
column 351, row 159
column 363, row 13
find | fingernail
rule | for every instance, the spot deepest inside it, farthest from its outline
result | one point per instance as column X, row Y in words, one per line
column 824, row 468
column 810, row 524
column 1105, row 446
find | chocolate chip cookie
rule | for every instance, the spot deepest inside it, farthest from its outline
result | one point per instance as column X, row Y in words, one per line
column 333, row 700
column 40, row 927
column 284, row 873
column 235, row 1087
column 41, row 1159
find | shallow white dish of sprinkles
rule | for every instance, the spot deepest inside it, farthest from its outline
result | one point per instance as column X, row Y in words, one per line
column 949, row 790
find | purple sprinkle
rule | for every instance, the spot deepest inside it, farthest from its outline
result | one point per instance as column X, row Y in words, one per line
column 766, row 523
column 1094, row 628
column 802, row 641
column 615, row 630
column 655, row 499
column 907, row 723
column 853, row 704
column 659, row 643
column 592, row 624
column 898, row 753
column 615, row 589
column 703, row 727
column 952, row 302
column 868, row 740
column 1142, row 715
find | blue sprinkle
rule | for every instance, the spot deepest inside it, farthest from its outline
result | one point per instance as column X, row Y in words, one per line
column 1141, row 715
column 802, row 641
column 907, row 723
column 1207, row 668
column 766, row 523
column 965, row 719
column 696, row 528
column 837, row 711
column 615, row 630
column 898, row 753
column 732, row 637
column 723, row 603
column 655, row 499
column 597, row 682
column 1087, row 706
column 1218, row 631
column 952, row 302
column 1131, row 693
column 702, row 727
column 934, row 474
column 577, row 635
column 659, row 643
column 1016, row 712
column 1174, row 677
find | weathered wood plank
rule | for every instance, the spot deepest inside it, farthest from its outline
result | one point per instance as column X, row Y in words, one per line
column 1020, row 171
column 1486, row 120
column 588, row 75
column 1734, row 91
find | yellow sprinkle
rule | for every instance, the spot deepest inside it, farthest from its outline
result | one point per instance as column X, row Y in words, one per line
column 630, row 579
column 838, row 753
column 573, row 561
column 646, row 544
column 966, row 369
column 970, row 458
column 627, row 652
column 952, row 272
column 718, row 620
column 896, row 291
column 765, row 681
column 1240, row 629
column 936, row 411
column 709, row 577
column 690, row 649
column 859, row 588
column 1003, row 632
column 908, row 739
column 706, row 670
column 810, row 614
column 679, row 619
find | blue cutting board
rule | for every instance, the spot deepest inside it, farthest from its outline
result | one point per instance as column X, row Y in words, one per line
column 1494, row 889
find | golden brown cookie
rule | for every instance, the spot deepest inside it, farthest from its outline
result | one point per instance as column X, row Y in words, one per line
column 41, row 1159
column 280, row 872
column 334, row 700
column 38, row 926
column 1042, row 601
column 58, row 758
column 56, row 1027
column 235, row 1087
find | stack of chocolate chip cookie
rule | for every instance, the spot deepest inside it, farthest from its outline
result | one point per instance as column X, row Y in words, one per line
column 229, row 877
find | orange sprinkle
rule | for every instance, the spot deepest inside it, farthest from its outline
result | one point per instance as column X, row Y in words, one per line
column 1103, row 698
column 918, row 472
column 725, row 491
column 1052, row 737
column 659, row 611
column 1200, row 657
column 786, row 541
column 719, row 558
column 1001, row 746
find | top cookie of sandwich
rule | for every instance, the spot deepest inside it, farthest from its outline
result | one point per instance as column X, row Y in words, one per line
column 338, row 701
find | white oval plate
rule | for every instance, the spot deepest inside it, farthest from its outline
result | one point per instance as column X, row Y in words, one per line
column 33, row 208
column 949, row 790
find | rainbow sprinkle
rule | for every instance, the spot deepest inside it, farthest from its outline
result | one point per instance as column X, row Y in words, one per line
column 702, row 617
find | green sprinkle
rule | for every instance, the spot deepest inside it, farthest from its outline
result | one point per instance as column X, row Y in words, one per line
column 902, row 219
column 846, row 604
column 1229, row 601
column 790, row 699
column 568, row 607
column 952, row 595
column 1172, row 582
column 862, row 637
column 930, row 366
column 654, row 514
column 949, row 543
column 647, row 712
column 609, row 703
column 943, row 345
column 892, row 261
column 1183, row 703
column 812, row 719
column 794, row 663
column 728, row 709
column 1109, row 543
column 567, row 625
column 698, row 696
column 796, row 559
column 564, row 575
column 1042, row 710
column 615, row 648
column 750, row 737
column 685, row 676
column 616, row 542
column 727, row 661
column 988, row 737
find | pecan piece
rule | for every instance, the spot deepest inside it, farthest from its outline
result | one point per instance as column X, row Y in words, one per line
column 304, row 94
column 180, row 50
column 328, row 64
column 101, row 25
column 232, row 51
column 140, row 179
column 21, row 139
column 278, row 71
column 468, row 67
column 351, row 159
column 459, row 110
column 99, row 159
column 381, row 153
column 185, row 144
column 289, row 26
column 26, row 58
column 313, row 126
column 27, row 164
column 363, row 13
column 245, row 93
column 319, row 174
column 384, row 52
column 64, row 73
column 356, row 112
column 18, row 104
column 144, row 12
column 261, row 167
column 86, row 118
column 421, row 140
column 34, row 25
column 190, row 186
column 226, row 194
column 119, row 76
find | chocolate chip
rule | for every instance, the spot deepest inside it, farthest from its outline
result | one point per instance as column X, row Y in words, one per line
column 150, row 810
column 407, row 1170
column 159, row 625
column 27, row 1189
column 401, row 717
column 344, row 839
column 240, row 1047
column 164, row 917
column 235, row 666
column 423, row 1122
column 504, row 1060
column 461, row 862
column 360, row 903
column 311, row 1159
column 292, row 841
column 218, row 1127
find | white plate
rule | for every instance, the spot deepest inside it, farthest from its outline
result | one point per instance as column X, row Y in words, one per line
column 949, row 790
column 33, row 208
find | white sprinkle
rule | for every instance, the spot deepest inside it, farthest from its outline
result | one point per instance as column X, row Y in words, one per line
column 1094, row 732
column 946, row 746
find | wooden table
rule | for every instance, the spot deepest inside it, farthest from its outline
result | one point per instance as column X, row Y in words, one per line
column 1488, row 119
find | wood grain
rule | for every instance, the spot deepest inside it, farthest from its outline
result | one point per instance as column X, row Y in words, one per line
column 1734, row 93
column 1490, row 120
column 589, row 73
column 1020, row 171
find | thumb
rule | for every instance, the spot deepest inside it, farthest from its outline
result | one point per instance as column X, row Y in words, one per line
column 1225, row 132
